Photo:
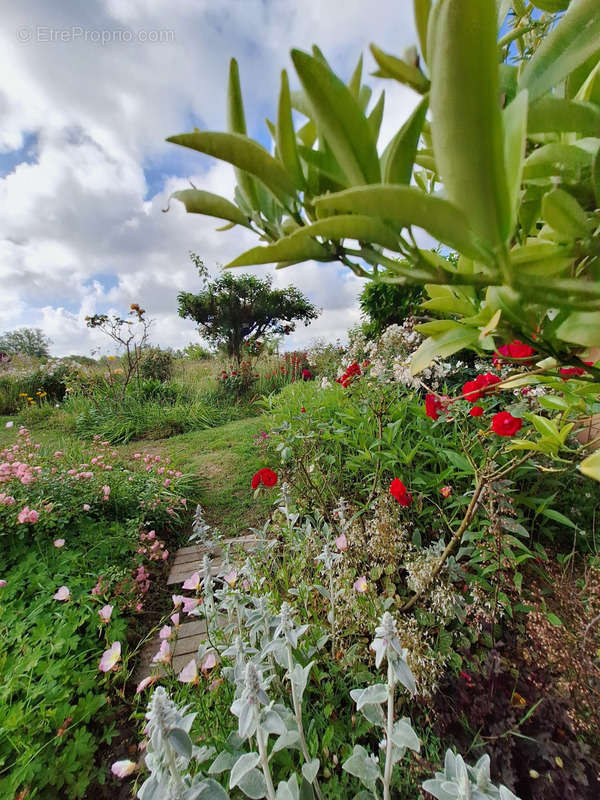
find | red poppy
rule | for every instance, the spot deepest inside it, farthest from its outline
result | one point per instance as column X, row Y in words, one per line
column 504, row 424
column 265, row 476
column 434, row 405
column 476, row 411
column 474, row 390
column 399, row 492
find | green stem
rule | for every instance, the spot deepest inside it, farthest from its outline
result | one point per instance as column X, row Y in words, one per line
column 264, row 762
column 389, row 765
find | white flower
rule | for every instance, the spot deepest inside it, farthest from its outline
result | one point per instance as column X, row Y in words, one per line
column 122, row 769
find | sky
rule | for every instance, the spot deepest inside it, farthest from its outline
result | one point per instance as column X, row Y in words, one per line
column 88, row 94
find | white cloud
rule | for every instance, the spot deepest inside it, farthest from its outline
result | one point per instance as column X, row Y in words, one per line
column 79, row 233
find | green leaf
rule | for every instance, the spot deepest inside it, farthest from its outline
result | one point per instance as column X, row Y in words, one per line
column 541, row 259
column 356, row 78
column 467, row 129
column 421, row 9
column 553, row 619
column 551, row 513
column 398, row 157
column 197, row 201
column 406, row 205
column 443, row 346
column 285, row 134
column 581, row 327
column 244, row 153
column 515, row 139
column 564, row 214
column 325, row 163
column 568, row 45
column 338, row 116
column 297, row 247
column 590, row 466
column 237, row 124
column 566, row 161
column 376, row 116
column 596, row 177
column 392, row 67
column 558, row 115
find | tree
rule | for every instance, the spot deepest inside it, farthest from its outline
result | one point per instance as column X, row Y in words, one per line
column 237, row 310
column 26, row 341
column 387, row 304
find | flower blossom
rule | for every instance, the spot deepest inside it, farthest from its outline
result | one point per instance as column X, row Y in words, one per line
column 265, row 476
column 59, row 543
column 360, row 584
column 110, row 658
column 399, row 492
column 341, row 543
column 474, row 390
column 62, row 594
column 504, row 424
column 105, row 613
column 189, row 674
column 122, row 769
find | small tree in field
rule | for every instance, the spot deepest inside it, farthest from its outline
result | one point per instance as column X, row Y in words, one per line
column 25, row 341
column 237, row 310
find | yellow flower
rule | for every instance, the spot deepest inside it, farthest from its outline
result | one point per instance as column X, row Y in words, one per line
column 111, row 358
column 22, row 394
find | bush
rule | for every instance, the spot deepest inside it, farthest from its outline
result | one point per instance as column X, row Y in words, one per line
column 156, row 364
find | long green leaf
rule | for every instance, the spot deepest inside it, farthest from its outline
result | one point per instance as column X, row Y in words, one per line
column 574, row 39
column 376, row 116
column 399, row 156
column 443, row 346
column 467, row 125
column 236, row 122
column 421, row 9
column 406, row 205
column 566, row 160
column 197, row 201
column 557, row 115
column 297, row 247
column 286, row 136
column 392, row 67
column 338, row 116
column 244, row 153
column 356, row 79
column 515, row 139
column 564, row 214
column 581, row 327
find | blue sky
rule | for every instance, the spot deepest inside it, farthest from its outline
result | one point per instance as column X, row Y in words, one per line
column 85, row 171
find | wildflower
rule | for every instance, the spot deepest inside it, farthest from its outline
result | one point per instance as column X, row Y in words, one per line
column 341, row 543
column 360, row 584
column 192, row 583
column 189, row 674
column 231, row 578
column 27, row 515
column 165, row 632
column 504, row 424
column 189, row 604
column 476, row 411
column 62, row 594
column 105, row 613
column 59, row 543
column 145, row 682
column 9, row 424
column 106, row 491
column 163, row 656
column 122, row 769
column 265, row 476
column 209, row 662
column 399, row 492
column 474, row 390
column 3, row 583
column 175, row 620
column 446, row 491
column 177, row 599
column 110, row 657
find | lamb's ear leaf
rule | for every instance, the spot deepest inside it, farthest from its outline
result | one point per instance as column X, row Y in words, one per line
column 197, row 201
column 244, row 153
column 236, row 122
column 567, row 46
column 338, row 115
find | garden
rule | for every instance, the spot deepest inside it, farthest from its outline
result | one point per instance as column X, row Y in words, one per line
column 419, row 613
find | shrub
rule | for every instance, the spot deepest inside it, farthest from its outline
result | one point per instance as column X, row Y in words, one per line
column 156, row 364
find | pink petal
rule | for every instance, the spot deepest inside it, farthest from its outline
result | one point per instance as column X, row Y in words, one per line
column 62, row 594
column 189, row 604
column 360, row 584
column 145, row 682
column 189, row 674
column 175, row 620
column 192, row 583
column 210, row 662
column 59, row 543
column 122, row 769
column 105, row 613
column 165, row 632
column 164, row 654
column 110, row 657
column 231, row 578
column 341, row 542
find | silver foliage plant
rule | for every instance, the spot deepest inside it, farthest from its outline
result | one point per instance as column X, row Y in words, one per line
column 261, row 649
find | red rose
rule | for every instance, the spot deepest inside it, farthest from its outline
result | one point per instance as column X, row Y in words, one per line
column 474, row 390
column 265, row 476
column 504, row 424
column 513, row 350
column 476, row 411
column 433, row 405
column 568, row 372
column 399, row 492
column 306, row 374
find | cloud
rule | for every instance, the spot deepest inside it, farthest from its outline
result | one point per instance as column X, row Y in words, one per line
column 83, row 228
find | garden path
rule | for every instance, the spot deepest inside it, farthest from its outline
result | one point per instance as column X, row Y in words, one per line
column 190, row 635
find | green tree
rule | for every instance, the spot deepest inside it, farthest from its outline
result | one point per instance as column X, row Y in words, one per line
column 237, row 310
column 26, row 341
column 385, row 304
